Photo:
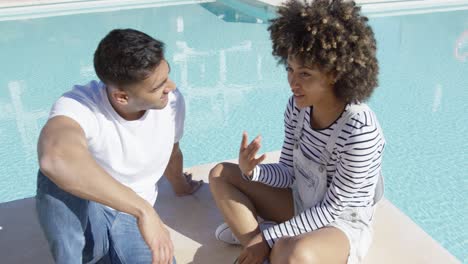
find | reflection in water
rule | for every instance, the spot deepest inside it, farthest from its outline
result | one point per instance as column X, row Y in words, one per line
column 87, row 71
column 437, row 98
column 185, row 55
column 461, row 47
column 224, row 92
column 26, row 122
column 180, row 24
column 259, row 67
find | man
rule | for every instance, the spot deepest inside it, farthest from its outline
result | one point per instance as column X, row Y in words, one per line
column 103, row 149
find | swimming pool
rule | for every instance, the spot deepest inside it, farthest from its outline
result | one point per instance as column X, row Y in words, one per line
column 221, row 61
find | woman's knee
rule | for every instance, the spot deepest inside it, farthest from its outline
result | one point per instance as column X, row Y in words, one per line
column 280, row 250
column 216, row 172
column 290, row 250
column 223, row 172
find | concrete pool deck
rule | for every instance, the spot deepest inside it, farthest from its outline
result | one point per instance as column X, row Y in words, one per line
column 192, row 221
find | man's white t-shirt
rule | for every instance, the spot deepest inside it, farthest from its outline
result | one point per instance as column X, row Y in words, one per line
column 135, row 153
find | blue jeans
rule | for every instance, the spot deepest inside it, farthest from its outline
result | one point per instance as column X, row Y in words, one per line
column 82, row 231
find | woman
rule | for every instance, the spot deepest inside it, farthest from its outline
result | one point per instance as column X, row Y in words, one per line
column 321, row 195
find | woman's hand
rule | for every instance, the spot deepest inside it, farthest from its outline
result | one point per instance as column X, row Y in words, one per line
column 247, row 153
column 255, row 252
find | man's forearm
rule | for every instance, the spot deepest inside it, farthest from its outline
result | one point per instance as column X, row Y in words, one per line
column 64, row 158
column 174, row 170
column 84, row 178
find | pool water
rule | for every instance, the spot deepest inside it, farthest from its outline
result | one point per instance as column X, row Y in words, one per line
column 221, row 60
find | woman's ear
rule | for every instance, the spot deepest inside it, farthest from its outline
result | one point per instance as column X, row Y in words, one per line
column 332, row 78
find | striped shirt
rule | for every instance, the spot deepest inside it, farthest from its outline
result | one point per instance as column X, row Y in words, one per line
column 352, row 171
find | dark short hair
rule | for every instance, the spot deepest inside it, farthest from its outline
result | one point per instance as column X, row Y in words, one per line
column 335, row 37
column 127, row 56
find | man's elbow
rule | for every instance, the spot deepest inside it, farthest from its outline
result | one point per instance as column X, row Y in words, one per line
column 50, row 165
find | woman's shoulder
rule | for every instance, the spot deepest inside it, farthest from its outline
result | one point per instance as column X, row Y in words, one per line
column 361, row 124
column 361, row 115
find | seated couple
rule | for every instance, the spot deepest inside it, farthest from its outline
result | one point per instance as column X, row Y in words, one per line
column 108, row 142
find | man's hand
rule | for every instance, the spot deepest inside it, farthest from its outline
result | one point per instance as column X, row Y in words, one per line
column 247, row 160
column 156, row 235
column 255, row 252
column 188, row 186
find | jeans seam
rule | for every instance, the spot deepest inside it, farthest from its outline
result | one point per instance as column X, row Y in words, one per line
column 117, row 251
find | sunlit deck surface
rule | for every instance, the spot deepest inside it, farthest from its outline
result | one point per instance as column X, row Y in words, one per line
column 192, row 221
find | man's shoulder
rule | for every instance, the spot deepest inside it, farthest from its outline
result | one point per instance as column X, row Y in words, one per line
column 90, row 94
column 176, row 100
column 81, row 99
column 91, row 90
column 175, row 95
column 83, row 104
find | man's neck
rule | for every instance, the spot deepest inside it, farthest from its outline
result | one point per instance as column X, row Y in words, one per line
column 122, row 111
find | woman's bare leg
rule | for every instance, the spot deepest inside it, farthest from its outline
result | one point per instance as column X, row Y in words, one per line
column 325, row 245
column 241, row 201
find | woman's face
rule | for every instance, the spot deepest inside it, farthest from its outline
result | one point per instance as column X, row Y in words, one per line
column 309, row 84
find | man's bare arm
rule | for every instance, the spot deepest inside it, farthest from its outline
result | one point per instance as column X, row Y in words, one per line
column 182, row 183
column 64, row 158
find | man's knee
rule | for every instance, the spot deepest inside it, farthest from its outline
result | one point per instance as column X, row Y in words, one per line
column 289, row 250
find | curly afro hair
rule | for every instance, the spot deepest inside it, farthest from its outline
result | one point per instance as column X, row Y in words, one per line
column 333, row 36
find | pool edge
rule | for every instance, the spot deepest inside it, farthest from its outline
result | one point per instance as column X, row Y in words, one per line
column 63, row 8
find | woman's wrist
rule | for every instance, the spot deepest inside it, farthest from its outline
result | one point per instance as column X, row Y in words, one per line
column 248, row 176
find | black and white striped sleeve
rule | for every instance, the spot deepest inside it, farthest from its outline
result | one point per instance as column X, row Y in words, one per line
column 353, row 184
column 280, row 174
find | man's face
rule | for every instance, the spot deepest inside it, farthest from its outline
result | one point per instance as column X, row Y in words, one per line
column 153, row 92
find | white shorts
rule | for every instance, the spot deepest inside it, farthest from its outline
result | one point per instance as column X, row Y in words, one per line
column 356, row 223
